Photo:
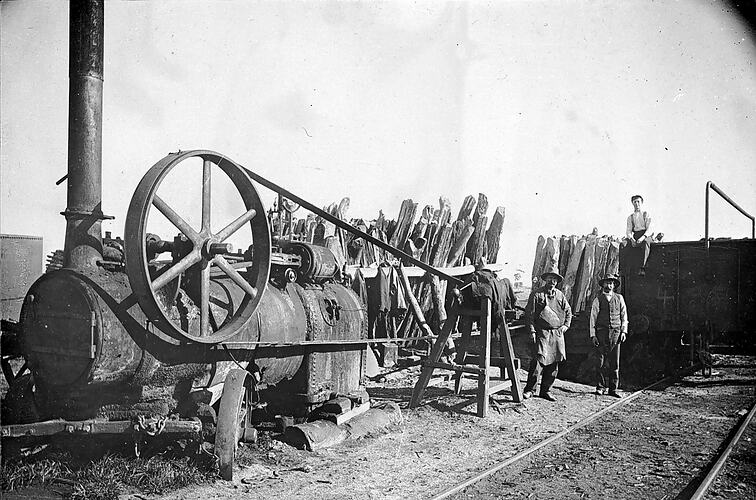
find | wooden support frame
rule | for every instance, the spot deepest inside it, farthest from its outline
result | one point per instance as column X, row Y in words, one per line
column 508, row 364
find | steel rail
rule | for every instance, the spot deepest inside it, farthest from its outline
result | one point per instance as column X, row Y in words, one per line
column 581, row 423
column 348, row 227
column 717, row 467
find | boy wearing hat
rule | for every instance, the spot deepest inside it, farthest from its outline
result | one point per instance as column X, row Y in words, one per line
column 548, row 315
column 608, row 329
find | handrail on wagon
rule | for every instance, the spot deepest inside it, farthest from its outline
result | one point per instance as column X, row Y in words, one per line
column 711, row 185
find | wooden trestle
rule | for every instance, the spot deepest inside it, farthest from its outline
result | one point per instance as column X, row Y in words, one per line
column 507, row 363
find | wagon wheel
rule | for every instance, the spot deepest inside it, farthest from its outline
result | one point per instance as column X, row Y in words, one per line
column 232, row 418
column 207, row 248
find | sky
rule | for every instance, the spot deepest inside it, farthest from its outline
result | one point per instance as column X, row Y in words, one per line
column 557, row 111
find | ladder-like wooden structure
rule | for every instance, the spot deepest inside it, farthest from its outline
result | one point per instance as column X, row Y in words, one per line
column 486, row 386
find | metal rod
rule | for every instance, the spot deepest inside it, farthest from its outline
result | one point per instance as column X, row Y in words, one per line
column 712, row 475
column 711, row 185
column 318, row 343
column 348, row 227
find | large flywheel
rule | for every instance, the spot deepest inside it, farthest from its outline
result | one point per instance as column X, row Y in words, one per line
column 202, row 268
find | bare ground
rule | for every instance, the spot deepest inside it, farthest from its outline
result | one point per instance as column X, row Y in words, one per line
column 656, row 446
column 651, row 448
column 674, row 433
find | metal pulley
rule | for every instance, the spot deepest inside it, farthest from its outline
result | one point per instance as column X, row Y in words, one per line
column 200, row 255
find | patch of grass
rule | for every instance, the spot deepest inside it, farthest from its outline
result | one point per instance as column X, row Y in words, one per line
column 17, row 475
column 109, row 475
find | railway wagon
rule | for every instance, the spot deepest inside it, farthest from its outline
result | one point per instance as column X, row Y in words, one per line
column 696, row 289
column 693, row 295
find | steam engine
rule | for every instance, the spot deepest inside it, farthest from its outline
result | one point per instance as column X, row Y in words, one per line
column 151, row 333
column 93, row 352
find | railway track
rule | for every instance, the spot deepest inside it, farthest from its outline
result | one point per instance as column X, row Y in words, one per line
column 637, row 447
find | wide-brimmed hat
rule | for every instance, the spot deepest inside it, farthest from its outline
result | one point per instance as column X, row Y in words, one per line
column 553, row 272
column 610, row 277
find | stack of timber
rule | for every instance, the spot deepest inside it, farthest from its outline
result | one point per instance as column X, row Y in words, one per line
column 581, row 260
column 428, row 234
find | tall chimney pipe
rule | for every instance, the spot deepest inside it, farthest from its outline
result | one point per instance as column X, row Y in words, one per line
column 83, row 245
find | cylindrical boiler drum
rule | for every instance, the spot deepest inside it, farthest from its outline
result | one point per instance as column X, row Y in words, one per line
column 74, row 343
column 279, row 317
column 333, row 313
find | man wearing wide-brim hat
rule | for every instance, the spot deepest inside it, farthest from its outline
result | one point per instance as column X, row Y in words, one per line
column 608, row 329
column 548, row 315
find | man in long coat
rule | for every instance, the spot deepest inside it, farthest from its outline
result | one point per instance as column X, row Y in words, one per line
column 548, row 315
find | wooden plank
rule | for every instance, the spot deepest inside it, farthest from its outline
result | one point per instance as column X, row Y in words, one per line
column 349, row 415
column 430, row 238
column 540, row 244
column 338, row 405
column 440, row 253
column 497, row 386
column 422, row 222
column 480, row 209
column 414, row 306
column 464, row 343
column 485, row 362
column 564, row 254
column 512, row 363
column 435, row 355
column 549, row 259
column 438, row 296
column 570, row 277
column 612, row 259
column 466, row 210
column 457, row 251
column 585, row 274
column 444, row 211
column 404, row 222
column 600, row 257
column 493, row 235
column 476, row 244
column 459, row 368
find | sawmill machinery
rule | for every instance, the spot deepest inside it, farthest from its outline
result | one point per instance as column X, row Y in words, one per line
column 150, row 334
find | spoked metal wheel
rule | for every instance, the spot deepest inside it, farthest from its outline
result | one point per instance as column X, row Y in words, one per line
column 232, row 421
column 207, row 249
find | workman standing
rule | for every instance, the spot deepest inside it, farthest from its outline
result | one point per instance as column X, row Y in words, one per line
column 608, row 329
column 638, row 234
column 548, row 316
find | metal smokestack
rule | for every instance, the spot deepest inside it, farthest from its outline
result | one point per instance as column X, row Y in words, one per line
column 83, row 246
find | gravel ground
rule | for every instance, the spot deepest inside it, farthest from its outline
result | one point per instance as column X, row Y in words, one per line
column 658, row 443
column 654, row 447
column 737, row 479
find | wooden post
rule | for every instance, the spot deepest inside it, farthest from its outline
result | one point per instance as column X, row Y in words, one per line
column 435, row 355
column 485, row 357
column 509, row 359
